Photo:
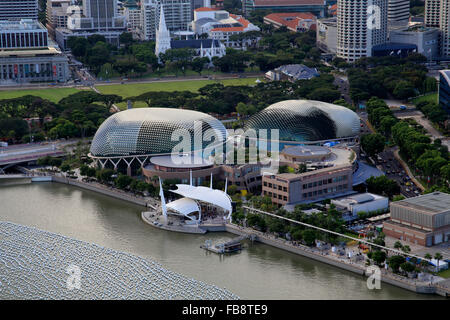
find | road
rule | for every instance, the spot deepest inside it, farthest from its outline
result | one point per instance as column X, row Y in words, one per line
column 343, row 86
column 391, row 166
column 32, row 151
column 394, row 170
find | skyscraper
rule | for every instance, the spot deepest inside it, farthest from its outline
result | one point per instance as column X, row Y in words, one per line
column 15, row 10
column 361, row 25
column 177, row 15
column 398, row 12
column 444, row 25
column 432, row 16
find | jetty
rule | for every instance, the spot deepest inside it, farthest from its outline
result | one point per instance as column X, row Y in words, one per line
column 233, row 245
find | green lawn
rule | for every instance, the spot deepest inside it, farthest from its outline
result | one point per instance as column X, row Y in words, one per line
column 52, row 94
column 444, row 274
column 430, row 97
column 135, row 89
column 125, row 90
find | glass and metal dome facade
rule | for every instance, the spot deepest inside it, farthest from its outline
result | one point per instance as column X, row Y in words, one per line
column 147, row 131
column 306, row 121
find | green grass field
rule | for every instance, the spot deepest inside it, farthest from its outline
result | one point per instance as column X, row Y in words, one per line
column 52, row 94
column 431, row 97
column 125, row 90
column 444, row 274
column 135, row 89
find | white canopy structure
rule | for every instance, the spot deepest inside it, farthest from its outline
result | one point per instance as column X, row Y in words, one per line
column 213, row 196
column 185, row 207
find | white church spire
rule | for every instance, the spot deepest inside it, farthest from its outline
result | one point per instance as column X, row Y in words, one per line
column 163, row 35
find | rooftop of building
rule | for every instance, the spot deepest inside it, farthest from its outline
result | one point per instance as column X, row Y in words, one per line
column 29, row 52
column 205, row 9
column 359, row 198
column 329, row 21
column 298, row 71
column 288, row 2
column 22, row 25
column 298, row 176
column 290, row 19
column 181, row 161
column 195, row 43
column 306, row 151
column 431, row 203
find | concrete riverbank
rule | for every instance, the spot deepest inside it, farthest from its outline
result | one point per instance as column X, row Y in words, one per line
column 141, row 201
column 442, row 289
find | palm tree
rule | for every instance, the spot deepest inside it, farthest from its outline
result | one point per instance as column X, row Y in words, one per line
column 398, row 245
column 406, row 249
column 437, row 256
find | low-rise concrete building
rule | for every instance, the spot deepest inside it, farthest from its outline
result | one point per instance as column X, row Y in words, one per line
column 364, row 202
column 423, row 220
column 27, row 55
column 294, row 21
column 292, row 72
column 291, row 188
column 425, row 39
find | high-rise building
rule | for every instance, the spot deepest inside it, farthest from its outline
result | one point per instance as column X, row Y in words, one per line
column 177, row 15
column 398, row 12
column 361, row 25
column 95, row 17
column 100, row 13
column 432, row 16
column 57, row 13
column 444, row 23
column 15, row 10
column 444, row 90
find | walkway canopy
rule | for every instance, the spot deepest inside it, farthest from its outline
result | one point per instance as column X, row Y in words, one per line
column 213, row 196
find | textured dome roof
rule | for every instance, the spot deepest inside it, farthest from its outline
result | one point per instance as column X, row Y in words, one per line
column 146, row 131
column 306, row 120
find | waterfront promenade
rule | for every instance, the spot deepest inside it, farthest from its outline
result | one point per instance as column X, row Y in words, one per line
column 441, row 288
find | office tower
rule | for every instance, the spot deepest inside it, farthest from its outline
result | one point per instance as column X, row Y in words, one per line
column 432, row 16
column 361, row 25
column 15, row 10
column 444, row 23
column 177, row 16
column 57, row 14
column 398, row 12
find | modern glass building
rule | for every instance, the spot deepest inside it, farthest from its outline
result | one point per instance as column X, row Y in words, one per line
column 128, row 138
column 307, row 121
column 444, row 90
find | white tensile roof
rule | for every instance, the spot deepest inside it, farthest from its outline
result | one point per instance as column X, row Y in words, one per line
column 216, row 197
column 184, row 206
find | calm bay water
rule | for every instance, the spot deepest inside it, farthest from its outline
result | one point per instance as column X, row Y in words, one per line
column 258, row 272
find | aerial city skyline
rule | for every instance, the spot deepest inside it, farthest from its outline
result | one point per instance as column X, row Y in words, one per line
column 224, row 150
